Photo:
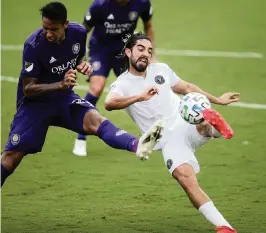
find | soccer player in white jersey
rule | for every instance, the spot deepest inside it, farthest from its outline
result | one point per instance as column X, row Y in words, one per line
column 148, row 93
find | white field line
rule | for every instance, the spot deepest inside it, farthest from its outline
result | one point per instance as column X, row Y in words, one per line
column 85, row 88
column 174, row 52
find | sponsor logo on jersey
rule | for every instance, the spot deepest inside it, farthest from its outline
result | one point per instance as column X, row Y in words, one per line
column 61, row 68
column 159, row 79
column 116, row 28
column 76, row 48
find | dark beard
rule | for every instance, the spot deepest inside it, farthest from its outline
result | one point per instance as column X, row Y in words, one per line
column 139, row 68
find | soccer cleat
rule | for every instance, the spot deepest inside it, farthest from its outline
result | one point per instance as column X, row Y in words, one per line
column 80, row 148
column 218, row 122
column 224, row 229
column 149, row 139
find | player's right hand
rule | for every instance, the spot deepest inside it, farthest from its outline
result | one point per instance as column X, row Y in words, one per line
column 69, row 80
column 149, row 93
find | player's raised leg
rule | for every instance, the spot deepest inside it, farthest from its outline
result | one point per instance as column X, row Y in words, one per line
column 97, row 81
column 115, row 137
column 214, row 125
column 218, row 122
column 186, row 177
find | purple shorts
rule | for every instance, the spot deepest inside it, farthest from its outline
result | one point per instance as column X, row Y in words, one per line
column 33, row 118
column 103, row 63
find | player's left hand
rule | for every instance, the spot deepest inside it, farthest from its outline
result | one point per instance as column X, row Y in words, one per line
column 84, row 68
column 228, row 98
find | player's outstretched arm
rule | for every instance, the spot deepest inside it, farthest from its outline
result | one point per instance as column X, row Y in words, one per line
column 115, row 101
column 183, row 87
column 31, row 87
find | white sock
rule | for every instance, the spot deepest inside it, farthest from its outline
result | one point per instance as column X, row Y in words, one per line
column 213, row 215
column 215, row 133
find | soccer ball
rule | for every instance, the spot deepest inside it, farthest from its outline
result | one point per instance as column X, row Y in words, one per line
column 191, row 107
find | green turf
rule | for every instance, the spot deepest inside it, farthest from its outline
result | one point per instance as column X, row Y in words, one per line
column 111, row 190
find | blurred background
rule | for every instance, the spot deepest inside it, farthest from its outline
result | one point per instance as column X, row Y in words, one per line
column 218, row 45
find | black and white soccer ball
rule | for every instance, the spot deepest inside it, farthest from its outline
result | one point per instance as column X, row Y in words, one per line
column 191, row 107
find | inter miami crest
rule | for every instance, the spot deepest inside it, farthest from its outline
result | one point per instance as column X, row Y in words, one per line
column 159, row 79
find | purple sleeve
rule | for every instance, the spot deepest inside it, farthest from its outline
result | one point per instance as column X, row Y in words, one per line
column 30, row 62
column 92, row 16
column 146, row 11
column 82, row 51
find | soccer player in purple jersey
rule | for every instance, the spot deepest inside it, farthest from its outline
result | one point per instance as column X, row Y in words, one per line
column 111, row 21
column 52, row 57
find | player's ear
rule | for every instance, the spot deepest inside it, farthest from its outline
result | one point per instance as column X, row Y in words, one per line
column 128, row 52
column 66, row 24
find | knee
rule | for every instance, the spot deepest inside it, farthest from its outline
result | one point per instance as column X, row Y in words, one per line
column 92, row 122
column 186, row 178
column 11, row 159
column 97, row 86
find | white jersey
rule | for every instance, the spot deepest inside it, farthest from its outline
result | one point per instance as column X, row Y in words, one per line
column 163, row 106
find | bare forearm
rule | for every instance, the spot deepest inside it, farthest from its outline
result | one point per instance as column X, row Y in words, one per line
column 117, row 103
column 38, row 89
column 194, row 88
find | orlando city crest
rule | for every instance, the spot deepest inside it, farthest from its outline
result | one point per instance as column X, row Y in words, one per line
column 76, row 48
column 133, row 15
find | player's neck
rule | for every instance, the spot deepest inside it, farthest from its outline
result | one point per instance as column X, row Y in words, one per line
column 137, row 73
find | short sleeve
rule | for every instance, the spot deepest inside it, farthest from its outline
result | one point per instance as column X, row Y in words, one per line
column 30, row 61
column 173, row 78
column 82, row 51
column 92, row 16
column 146, row 11
column 116, row 87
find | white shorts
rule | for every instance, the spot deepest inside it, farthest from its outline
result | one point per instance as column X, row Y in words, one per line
column 179, row 144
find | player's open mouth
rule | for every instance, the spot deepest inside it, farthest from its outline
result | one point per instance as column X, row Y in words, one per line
column 143, row 60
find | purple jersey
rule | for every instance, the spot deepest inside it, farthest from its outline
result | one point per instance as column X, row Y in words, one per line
column 49, row 62
column 112, row 22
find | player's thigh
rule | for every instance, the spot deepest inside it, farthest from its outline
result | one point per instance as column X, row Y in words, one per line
column 176, row 154
column 194, row 138
column 97, row 84
column 177, row 150
column 79, row 116
column 28, row 128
